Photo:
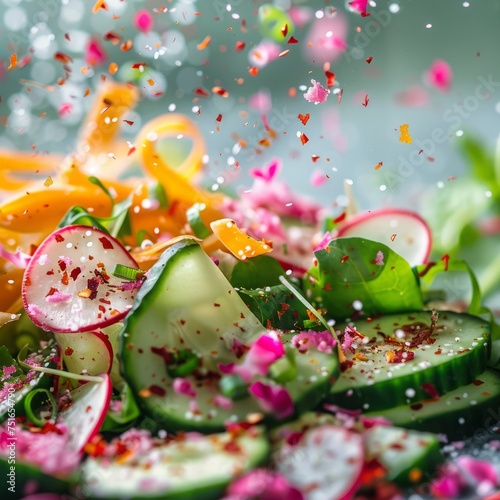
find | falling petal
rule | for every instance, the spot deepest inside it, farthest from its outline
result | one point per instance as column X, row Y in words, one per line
column 439, row 75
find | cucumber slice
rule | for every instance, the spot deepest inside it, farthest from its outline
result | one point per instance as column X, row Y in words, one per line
column 28, row 478
column 187, row 304
column 458, row 353
column 468, row 410
column 405, row 455
column 196, row 467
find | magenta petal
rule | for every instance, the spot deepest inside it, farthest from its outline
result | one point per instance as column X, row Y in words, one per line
column 19, row 259
column 317, row 93
column 359, row 5
column 439, row 75
column 446, row 487
column 480, row 470
column 272, row 399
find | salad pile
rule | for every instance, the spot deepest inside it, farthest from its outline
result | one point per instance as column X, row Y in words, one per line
column 163, row 341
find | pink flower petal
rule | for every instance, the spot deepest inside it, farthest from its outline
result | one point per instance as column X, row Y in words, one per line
column 272, row 399
column 65, row 109
column 323, row 341
column 184, row 386
column 324, row 242
column 94, row 52
column 369, row 422
column 261, row 102
column 414, row 97
column 143, row 20
column 262, row 484
column 19, row 259
column 317, row 178
column 265, row 52
column 323, row 48
column 359, row 5
column 379, row 259
column 480, row 470
column 439, row 75
column 317, row 93
column 261, row 355
column 223, row 402
column 267, row 173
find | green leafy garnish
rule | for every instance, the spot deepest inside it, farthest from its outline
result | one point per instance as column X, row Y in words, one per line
column 258, row 272
column 128, row 413
column 275, row 307
column 349, row 278
column 35, row 402
column 193, row 214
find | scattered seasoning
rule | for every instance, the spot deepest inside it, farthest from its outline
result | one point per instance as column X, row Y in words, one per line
column 368, row 60
column 13, row 62
column 304, row 118
column 378, row 165
column 303, row 138
column 405, row 134
column 366, row 101
column 205, row 43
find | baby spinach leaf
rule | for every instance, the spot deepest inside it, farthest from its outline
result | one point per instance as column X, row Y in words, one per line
column 351, row 271
column 275, row 307
column 257, row 272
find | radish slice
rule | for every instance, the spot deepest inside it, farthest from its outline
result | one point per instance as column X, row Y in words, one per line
column 67, row 285
column 89, row 352
column 326, row 463
column 403, row 231
column 86, row 414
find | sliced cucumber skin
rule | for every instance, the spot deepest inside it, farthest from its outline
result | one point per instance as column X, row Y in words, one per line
column 456, row 371
column 212, row 491
column 169, row 411
column 440, row 418
column 26, row 473
column 400, row 468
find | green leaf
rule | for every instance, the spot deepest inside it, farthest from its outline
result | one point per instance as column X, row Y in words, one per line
column 159, row 194
column 428, row 273
column 347, row 272
column 7, row 361
column 129, row 412
column 193, row 214
column 97, row 182
column 258, row 272
column 275, row 306
column 480, row 161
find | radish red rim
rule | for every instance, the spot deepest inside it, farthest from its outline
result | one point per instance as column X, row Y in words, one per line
column 346, row 229
column 68, row 285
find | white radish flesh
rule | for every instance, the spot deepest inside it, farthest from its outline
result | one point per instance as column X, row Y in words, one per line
column 403, row 231
column 68, row 285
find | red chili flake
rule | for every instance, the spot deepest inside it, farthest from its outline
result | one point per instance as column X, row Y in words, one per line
column 426, row 269
column 284, row 53
column 340, row 218
column 304, row 118
column 13, row 62
column 100, row 4
column 205, row 43
column 157, row 390
column 445, row 258
column 65, row 279
column 59, row 238
column 68, row 351
column 330, row 78
column 303, row 138
column 219, row 118
column 378, row 165
column 62, row 265
column 239, row 45
column 131, row 150
column 106, row 244
column 126, row 46
column 220, row 91
column 52, row 291
column 93, row 285
column 63, row 58
column 344, row 258
column 327, row 287
column 162, row 352
column 366, row 101
column 87, row 92
column 368, row 60
column 292, row 40
column 365, row 14
column 421, row 151
column 417, row 406
column 253, row 71
column 477, row 383
column 402, row 356
column 201, row 92
column 232, row 447
column 393, row 236
column 113, row 37
column 315, row 158
column 284, row 30
column 339, row 98
column 138, row 65
column 129, row 122
column 431, row 390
